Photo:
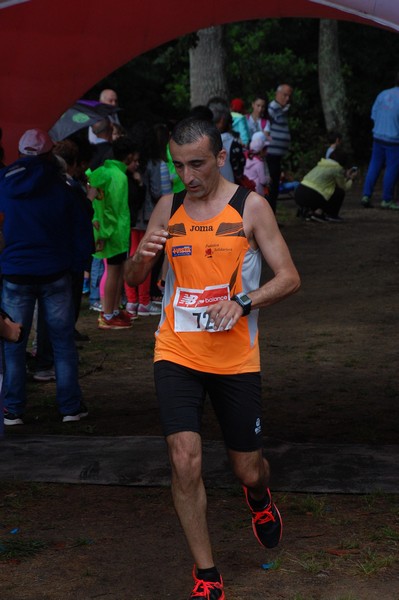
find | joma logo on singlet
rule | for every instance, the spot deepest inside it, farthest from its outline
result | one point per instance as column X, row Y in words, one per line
column 201, row 228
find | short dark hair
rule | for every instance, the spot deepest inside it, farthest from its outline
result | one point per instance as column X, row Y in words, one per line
column 191, row 130
column 122, row 147
column 340, row 156
column 68, row 150
column 332, row 136
column 259, row 96
column 201, row 112
column 101, row 125
column 220, row 111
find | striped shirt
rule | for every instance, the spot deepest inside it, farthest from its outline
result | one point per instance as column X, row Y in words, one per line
column 279, row 129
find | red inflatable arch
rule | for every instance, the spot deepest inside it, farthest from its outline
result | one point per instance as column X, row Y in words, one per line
column 53, row 51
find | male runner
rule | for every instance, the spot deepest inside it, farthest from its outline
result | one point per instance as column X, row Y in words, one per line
column 214, row 234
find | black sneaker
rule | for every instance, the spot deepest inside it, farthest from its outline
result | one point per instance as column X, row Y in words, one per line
column 318, row 217
column 207, row 590
column 11, row 419
column 267, row 523
column 76, row 416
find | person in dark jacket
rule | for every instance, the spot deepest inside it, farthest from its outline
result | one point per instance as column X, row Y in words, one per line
column 42, row 223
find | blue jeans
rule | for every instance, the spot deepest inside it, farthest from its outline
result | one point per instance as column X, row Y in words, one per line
column 382, row 155
column 55, row 302
column 96, row 272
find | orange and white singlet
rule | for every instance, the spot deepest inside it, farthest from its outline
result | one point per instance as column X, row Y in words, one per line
column 209, row 261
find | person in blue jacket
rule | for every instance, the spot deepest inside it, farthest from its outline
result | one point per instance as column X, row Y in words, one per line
column 42, row 226
column 385, row 152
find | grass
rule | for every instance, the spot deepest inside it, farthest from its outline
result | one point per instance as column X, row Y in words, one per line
column 350, row 544
column 373, row 562
column 312, row 562
column 11, row 548
column 310, row 504
column 82, row 541
column 387, row 533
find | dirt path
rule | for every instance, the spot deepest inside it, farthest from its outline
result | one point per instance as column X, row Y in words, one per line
column 330, row 373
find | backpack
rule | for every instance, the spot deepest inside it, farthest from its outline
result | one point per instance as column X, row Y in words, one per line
column 237, row 160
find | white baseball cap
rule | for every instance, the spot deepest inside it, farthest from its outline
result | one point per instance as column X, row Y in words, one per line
column 35, row 142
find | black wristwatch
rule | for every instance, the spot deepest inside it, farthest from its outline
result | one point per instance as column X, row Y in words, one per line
column 244, row 301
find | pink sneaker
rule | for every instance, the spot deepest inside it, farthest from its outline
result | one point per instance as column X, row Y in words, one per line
column 149, row 309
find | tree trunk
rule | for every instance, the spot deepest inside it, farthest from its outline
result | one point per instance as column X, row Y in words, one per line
column 207, row 67
column 331, row 82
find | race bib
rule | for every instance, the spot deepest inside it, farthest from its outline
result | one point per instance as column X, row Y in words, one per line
column 190, row 307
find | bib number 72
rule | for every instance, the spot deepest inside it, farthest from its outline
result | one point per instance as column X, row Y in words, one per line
column 190, row 307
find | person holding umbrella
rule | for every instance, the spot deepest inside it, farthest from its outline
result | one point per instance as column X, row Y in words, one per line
column 109, row 97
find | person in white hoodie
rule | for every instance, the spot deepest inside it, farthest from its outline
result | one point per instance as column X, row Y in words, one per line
column 255, row 165
column 322, row 191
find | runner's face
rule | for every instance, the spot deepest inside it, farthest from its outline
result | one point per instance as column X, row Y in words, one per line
column 197, row 166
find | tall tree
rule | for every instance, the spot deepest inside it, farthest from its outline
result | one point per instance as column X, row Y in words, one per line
column 207, row 66
column 331, row 82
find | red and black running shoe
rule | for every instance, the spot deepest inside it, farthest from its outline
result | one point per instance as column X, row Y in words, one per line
column 207, row 590
column 267, row 523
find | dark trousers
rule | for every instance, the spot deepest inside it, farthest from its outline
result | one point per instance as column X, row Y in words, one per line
column 305, row 197
column 274, row 164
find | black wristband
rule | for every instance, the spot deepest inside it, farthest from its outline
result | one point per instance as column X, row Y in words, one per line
column 244, row 301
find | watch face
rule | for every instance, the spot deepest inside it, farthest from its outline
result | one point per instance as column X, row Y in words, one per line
column 244, row 298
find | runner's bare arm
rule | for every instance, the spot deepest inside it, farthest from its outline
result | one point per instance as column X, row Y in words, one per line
column 140, row 264
column 262, row 231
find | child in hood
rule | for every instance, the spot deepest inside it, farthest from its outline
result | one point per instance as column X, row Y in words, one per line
column 255, row 164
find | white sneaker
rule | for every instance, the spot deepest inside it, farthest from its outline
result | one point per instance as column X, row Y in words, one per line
column 97, row 306
column 76, row 416
column 149, row 309
column 131, row 308
column 45, row 375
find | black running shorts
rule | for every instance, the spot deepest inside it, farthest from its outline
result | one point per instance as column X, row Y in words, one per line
column 236, row 400
column 118, row 259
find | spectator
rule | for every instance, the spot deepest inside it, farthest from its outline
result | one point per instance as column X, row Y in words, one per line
column 110, row 97
column 334, row 140
column 280, row 138
column 233, row 167
column 111, row 223
column 322, row 191
column 255, row 166
column 257, row 120
column 385, row 152
column 43, row 365
column 139, row 301
column 41, row 233
column 103, row 151
column 240, row 122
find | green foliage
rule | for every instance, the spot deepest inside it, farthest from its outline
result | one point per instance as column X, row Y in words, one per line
column 260, row 55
